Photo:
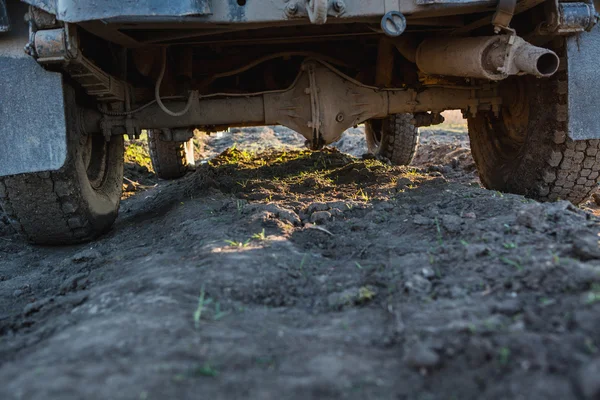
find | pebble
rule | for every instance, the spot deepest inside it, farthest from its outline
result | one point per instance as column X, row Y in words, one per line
column 585, row 246
column 421, row 220
column 320, row 217
column 17, row 293
column 317, row 207
column 417, row 284
column 589, row 380
column 428, row 273
column 340, row 299
column 401, row 183
column 508, row 307
column 451, row 223
column 421, row 356
column 77, row 281
column 531, row 216
column 86, row 255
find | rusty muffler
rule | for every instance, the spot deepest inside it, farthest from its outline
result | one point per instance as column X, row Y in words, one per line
column 487, row 57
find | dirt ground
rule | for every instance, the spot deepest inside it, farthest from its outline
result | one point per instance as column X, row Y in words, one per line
column 271, row 272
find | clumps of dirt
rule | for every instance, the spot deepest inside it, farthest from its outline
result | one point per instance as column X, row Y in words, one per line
column 448, row 152
column 276, row 176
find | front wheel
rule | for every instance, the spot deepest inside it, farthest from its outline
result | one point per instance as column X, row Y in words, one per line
column 525, row 149
column 76, row 203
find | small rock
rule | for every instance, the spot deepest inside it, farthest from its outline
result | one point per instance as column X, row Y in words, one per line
column 401, row 183
column 532, row 216
column 86, row 255
column 17, row 293
column 76, row 282
column 320, row 217
column 508, row 307
column 452, row 223
column 428, row 273
column 284, row 214
column 589, row 380
column 421, row 220
column 340, row 299
column 351, row 296
column 456, row 292
column 421, row 356
column 596, row 197
column 35, row 306
column 585, row 246
column 470, row 215
column 417, row 284
column 317, row 207
column 475, row 250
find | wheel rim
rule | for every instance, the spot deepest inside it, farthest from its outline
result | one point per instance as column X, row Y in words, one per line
column 376, row 132
column 95, row 160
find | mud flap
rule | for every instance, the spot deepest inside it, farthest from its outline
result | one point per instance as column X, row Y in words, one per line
column 4, row 21
column 33, row 134
column 584, row 85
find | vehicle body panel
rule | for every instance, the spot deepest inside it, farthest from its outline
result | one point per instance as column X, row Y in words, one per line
column 33, row 128
column 584, row 85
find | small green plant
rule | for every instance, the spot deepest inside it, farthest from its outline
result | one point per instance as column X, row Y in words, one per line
column 200, row 308
column 261, row 236
column 590, row 346
column 362, row 194
column 593, row 295
column 512, row 263
column 365, row 294
column 358, row 265
column 509, row 245
column 218, row 313
column 233, row 243
column 205, row 370
column 504, row 356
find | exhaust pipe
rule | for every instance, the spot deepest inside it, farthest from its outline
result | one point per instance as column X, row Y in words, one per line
column 488, row 57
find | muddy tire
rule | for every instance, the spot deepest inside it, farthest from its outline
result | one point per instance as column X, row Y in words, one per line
column 76, row 203
column 394, row 138
column 171, row 160
column 525, row 150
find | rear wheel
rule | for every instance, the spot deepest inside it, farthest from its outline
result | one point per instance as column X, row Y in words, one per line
column 76, row 203
column 526, row 150
column 394, row 138
column 171, row 160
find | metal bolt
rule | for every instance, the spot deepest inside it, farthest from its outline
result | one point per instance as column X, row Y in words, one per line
column 339, row 6
column 291, row 9
column 339, row 117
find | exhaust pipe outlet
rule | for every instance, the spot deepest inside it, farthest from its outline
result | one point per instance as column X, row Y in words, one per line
column 487, row 57
column 536, row 60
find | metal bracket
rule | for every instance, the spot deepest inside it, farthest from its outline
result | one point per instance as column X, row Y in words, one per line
column 61, row 46
column 503, row 15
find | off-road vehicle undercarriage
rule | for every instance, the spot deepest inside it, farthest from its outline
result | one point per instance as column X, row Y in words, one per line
column 78, row 75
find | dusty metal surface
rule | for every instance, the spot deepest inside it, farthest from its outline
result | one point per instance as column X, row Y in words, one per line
column 77, row 11
column 232, row 11
column 33, row 130
column 485, row 57
column 584, row 85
